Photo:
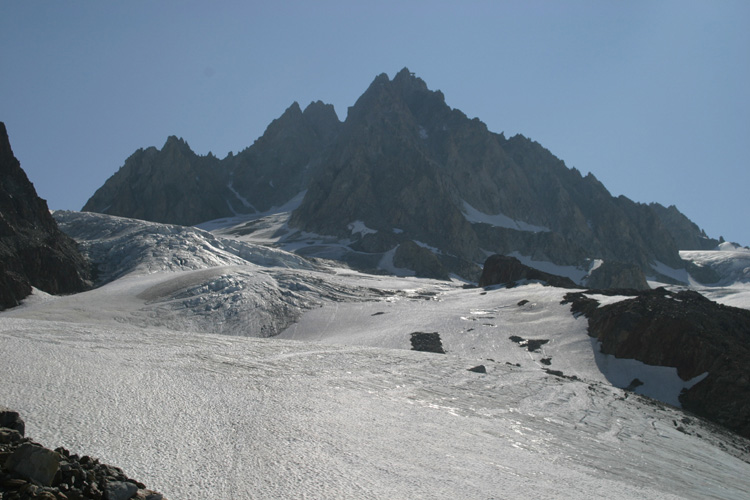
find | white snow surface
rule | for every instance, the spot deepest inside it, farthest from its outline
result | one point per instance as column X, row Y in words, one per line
column 337, row 406
column 359, row 227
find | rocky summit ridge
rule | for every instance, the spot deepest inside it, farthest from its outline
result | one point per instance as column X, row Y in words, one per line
column 413, row 172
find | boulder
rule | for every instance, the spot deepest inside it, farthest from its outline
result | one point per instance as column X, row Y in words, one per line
column 617, row 275
column 504, row 270
column 120, row 490
column 34, row 462
column 422, row 261
column 10, row 419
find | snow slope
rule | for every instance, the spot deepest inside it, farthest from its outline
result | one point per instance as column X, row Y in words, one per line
column 206, row 416
column 337, row 406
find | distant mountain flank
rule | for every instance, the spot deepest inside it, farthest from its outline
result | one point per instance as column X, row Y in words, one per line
column 405, row 182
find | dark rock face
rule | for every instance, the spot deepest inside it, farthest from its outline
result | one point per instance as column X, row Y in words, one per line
column 176, row 186
column 617, row 275
column 424, row 263
column 504, row 270
column 171, row 185
column 686, row 331
column 29, row 470
column 686, row 234
column 33, row 251
column 410, row 168
column 279, row 165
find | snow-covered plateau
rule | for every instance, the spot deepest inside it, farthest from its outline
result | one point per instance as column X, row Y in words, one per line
column 167, row 370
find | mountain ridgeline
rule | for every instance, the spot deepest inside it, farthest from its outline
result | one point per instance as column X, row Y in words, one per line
column 427, row 182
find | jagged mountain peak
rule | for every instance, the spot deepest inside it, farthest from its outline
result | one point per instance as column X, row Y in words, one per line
column 409, row 167
column 318, row 107
column 173, row 140
column 385, row 97
column 405, row 79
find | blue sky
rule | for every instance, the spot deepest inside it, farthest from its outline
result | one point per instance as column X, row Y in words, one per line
column 652, row 97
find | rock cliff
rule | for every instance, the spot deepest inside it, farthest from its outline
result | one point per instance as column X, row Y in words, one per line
column 686, row 331
column 33, row 251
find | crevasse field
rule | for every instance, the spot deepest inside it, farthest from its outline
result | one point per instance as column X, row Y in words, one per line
column 209, row 367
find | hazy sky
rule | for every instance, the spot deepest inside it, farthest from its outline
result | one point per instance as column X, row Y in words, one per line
column 652, row 97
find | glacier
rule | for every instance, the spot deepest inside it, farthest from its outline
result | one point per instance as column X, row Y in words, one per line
column 211, row 367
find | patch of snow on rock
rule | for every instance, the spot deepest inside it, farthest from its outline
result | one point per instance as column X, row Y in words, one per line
column 659, row 382
column 680, row 275
column 359, row 227
column 574, row 273
column 499, row 220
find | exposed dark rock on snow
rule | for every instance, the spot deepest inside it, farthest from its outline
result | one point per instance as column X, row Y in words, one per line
column 478, row 369
column 689, row 332
column 427, row 342
column 531, row 345
column 29, row 470
column 33, row 251
column 617, row 275
column 410, row 168
column 558, row 373
column 504, row 270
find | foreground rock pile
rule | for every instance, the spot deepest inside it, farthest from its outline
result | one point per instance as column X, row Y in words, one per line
column 29, row 470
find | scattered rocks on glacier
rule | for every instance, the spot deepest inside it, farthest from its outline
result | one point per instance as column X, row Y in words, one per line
column 29, row 470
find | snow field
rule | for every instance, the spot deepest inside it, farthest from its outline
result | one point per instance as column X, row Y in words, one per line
column 206, row 416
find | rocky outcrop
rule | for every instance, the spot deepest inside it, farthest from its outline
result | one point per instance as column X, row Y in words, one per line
column 33, row 251
column 686, row 331
column 29, row 470
column 504, row 270
column 617, row 275
column 422, row 261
